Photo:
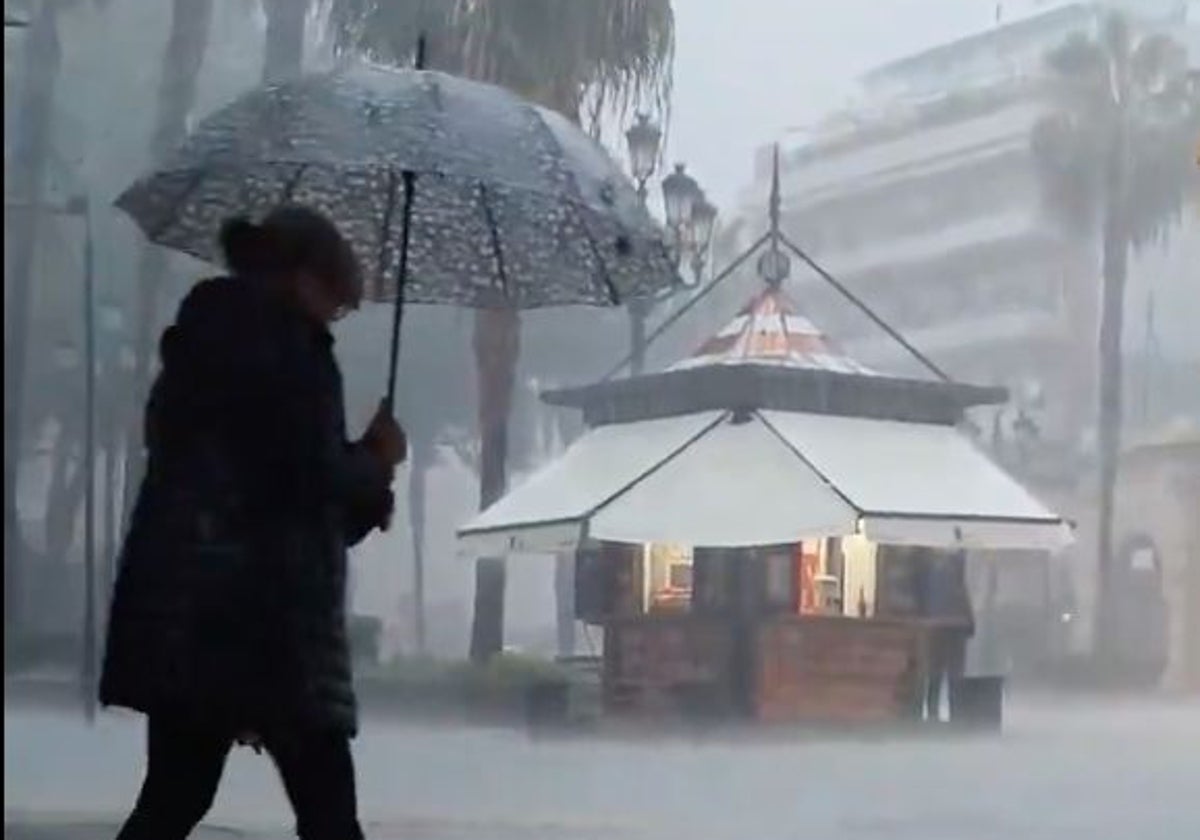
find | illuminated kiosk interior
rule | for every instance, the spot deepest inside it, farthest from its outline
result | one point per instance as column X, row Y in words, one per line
column 769, row 529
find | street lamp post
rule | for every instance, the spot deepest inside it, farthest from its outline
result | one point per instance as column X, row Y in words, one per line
column 690, row 220
column 643, row 139
column 704, row 218
column 680, row 195
column 90, row 642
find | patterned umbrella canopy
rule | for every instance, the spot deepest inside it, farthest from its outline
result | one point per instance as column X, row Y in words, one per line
column 513, row 205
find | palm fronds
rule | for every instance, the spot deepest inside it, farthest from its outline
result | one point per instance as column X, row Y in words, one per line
column 1128, row 82
column 614, row 54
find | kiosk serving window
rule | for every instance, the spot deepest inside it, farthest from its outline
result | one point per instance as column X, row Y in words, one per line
column 668, row 577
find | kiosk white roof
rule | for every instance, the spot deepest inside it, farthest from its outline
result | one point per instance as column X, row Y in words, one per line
column 718, row 479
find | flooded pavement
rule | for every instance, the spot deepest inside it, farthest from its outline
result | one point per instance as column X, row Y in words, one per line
column 1062, row 770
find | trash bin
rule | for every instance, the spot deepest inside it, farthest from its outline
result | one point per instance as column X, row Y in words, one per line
column 977, row 702
column 547, row 703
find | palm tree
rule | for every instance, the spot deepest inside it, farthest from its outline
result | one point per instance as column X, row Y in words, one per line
column 576, row 57
column 182, row 60
column 283, row 55
column 1116, row 160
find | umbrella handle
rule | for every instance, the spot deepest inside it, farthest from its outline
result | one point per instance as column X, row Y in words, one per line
column 409, row 178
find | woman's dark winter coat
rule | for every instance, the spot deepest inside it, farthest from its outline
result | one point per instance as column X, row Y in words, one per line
column 230, row 598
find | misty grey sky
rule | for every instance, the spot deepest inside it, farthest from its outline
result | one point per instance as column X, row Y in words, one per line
column 746, row 70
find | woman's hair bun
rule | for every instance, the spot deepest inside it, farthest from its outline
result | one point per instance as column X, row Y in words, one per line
column 244, row 246
column 289, row 239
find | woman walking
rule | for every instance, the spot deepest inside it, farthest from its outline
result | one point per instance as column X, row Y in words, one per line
column 228, row 620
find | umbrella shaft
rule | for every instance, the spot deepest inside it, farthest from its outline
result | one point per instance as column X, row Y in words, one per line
column 409, row 179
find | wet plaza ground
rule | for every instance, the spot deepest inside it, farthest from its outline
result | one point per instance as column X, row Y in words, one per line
column 1062, row 770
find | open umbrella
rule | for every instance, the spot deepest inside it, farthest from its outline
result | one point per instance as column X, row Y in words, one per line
column 506, row 204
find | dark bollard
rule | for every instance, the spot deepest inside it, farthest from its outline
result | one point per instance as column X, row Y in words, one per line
column 977, row 703
column 547, row 704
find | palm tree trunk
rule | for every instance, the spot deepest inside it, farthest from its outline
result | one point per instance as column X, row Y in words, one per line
column 283, row 56
column 32, row 145
column 1112, row 316
column 182, row 59
column 418, row 486
column 497, row 346
column 1078, row 374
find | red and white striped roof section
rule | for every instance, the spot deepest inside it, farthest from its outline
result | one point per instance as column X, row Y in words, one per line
column 770, row 331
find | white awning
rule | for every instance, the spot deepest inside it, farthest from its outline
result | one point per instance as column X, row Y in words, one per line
column 920, row 484
column 550, row 509
column 738, row 485
column 777, row 477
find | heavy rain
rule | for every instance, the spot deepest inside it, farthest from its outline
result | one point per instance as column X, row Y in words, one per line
column 529, row 419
